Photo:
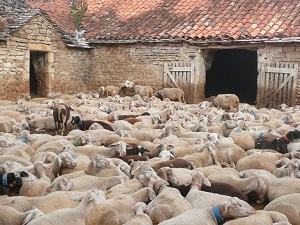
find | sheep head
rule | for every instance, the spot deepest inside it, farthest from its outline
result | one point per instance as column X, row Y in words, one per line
column 66, row 160
column 235, row 208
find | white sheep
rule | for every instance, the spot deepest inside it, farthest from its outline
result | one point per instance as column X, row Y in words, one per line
column 229, row 209
column 141, row 218
column 36, row 187
column 261, row 217
column 245, row 185
column 10, row 215
column 118, row 210
column 86, row 182
column 283, row 186
column 288, row 205
column 74, row 216
column 118, row 148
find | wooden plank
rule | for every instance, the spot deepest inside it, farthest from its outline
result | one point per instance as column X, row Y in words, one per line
column 294, row 74
column 278, row 89
column 172, row 79
column 286, row 98
column 277, row 70
column 181, row 69
column 166, row 70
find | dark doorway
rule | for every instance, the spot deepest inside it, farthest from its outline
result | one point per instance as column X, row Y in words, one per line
column 233, row 71
column 37, row 74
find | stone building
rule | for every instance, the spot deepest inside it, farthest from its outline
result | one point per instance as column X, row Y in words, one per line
column 247, row 47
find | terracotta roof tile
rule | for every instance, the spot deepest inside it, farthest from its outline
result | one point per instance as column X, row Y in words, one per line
column 190, row 19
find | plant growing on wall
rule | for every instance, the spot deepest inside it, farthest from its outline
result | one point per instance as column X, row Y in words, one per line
column 78, row 10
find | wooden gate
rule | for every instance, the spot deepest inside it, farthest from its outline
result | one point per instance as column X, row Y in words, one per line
column 180, row 75
column 277, row 84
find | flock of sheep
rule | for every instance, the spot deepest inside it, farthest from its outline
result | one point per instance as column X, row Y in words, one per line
column 146, row 159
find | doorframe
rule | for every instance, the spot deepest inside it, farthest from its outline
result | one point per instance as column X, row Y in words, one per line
column 49, row 65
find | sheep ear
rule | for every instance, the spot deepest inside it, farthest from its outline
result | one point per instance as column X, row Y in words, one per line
column 27, row 219
column 206, row 182
column 59, row 160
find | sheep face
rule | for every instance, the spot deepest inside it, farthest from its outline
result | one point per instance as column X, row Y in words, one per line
column 66, row 160
column 120, row 148
column 235, row 208
column 99, row 162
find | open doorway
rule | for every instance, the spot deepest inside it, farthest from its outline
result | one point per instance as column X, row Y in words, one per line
column 233, row 71
column 37, row 74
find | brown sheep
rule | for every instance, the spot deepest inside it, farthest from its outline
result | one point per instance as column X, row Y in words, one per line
column 61, row 115
column 174, row 94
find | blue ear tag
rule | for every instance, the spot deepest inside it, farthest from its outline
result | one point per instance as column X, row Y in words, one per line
column 23, row 139
column 73, row 156
column 4, row 180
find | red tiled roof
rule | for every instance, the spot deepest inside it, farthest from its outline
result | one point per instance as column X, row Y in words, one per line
column 212, row 20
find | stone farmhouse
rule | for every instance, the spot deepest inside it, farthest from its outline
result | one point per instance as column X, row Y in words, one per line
column 247, row 47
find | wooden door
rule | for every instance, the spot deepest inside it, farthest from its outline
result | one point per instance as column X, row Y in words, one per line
column 277, row 84
column 180, row 75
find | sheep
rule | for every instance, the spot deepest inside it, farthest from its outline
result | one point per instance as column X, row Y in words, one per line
column 61, row 115
column 6, row 124
column 178, row 163
column 55, row 146
column 28, row 138
column 245, row 185
column 288, row 205
column 229, row 209
column 85, row 124
column 229, row 102
column 141, row 218
column 47, row 203
column 283, row 186
column 265, row 175
column 143, row 90
column 10, row 215
column 261, row 217
column 174, row 94
column 169, row 201
column 118, row 210
column 96, row 163
column 19, row 150
column 206, row 156
column 290, row 169
column 12, row 182
column 153, row 150
column 85, row 182
column 74, row 216
column 62, row 160
column 36, row 187
column 118, row 148
column 13, row 158
column 128, row 187
column 112, row 90
column 231, row 153
column 264, row 161
column 178, row 130
column 42, row 124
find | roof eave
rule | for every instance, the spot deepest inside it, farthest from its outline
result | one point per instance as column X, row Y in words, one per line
column 195, row 41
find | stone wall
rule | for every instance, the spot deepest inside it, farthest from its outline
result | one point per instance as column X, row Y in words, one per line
column 15, row 54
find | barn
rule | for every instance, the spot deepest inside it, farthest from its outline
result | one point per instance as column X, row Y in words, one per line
column 247, row 47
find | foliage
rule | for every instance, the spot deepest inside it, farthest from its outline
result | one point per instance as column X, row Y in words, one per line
column 78, row 10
